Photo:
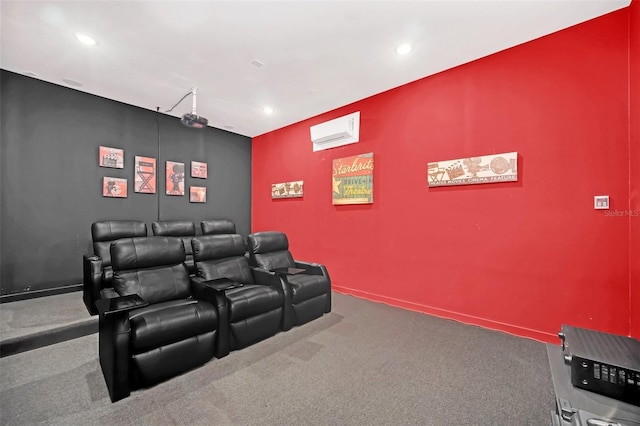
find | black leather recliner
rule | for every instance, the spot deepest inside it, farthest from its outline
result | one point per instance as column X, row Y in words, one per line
column 157, row 327
column 96, row 268
column 254, row 303
column 217, row 226
column 178, row 228
column 307, row 286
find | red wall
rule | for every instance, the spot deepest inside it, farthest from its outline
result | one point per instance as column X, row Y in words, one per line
column 522, row 257
column 634, row 152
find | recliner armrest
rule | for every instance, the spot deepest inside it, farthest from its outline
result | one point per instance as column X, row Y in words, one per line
column 212, row 291
column 221, row 284
column 317, row 269
column 279, row 282
column 311, row 268
column 117, row 305
column 91, row 281
column 200, row 285
column 266, row 277
column 113, row 344
column 288, row 271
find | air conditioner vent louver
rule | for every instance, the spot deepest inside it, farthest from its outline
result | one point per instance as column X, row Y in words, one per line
column 333, row 138
column 333, row 133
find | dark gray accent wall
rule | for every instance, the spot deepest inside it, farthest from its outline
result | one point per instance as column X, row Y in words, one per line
column 50, row 180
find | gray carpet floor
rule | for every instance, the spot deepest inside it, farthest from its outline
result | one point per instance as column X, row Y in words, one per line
column 365, row 363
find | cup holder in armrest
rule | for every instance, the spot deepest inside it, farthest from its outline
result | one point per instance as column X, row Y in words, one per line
column 288, row 271
column 221, row 284
column 120, row 304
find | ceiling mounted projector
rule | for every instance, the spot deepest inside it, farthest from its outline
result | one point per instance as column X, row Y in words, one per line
column 191, row 119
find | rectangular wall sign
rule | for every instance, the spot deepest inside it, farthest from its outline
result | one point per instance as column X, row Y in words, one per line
column 287, row 189
column 352, row 180
column 468, row 171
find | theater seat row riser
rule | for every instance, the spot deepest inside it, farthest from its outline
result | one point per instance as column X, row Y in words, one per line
column 158, row 320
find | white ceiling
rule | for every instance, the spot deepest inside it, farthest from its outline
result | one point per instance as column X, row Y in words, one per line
column 317, row 55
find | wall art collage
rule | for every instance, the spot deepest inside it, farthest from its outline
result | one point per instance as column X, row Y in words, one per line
column 352, row 177
column 145, row 171
column 352, row 182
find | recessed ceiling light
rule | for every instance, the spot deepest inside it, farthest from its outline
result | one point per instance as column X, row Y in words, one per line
column 403, row 49
column 85, row 39
column 267, row 110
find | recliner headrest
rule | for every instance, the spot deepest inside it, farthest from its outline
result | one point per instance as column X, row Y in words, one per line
column 174, row 228
column 218, row 246
column 109, row 230
column 268, row 241
column 146, row 252
column 217, row 226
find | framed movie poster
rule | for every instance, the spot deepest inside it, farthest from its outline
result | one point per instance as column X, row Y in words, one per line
column 114, row 187
column 145, row 175
column 174, row 178
column 197, row 194
column 198, row 170
column 352, row 180
column 111, row 157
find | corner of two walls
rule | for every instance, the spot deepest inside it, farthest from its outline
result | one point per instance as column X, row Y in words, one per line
column 634, row 168
column 523, row 257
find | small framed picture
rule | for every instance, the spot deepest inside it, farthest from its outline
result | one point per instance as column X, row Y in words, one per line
column 198, row 170
column 145, row 175
column 114, row 187
column 111, row 157
column 174, row 178
column 287, row 189
column 197, row 194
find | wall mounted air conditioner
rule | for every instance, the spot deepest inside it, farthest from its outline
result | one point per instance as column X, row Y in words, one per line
column 333, row 133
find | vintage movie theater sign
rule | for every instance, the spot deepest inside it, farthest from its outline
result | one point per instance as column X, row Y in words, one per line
column 468, row 171
column 353, row 180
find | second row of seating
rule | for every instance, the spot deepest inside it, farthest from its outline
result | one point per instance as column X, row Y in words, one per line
column 97, row 271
